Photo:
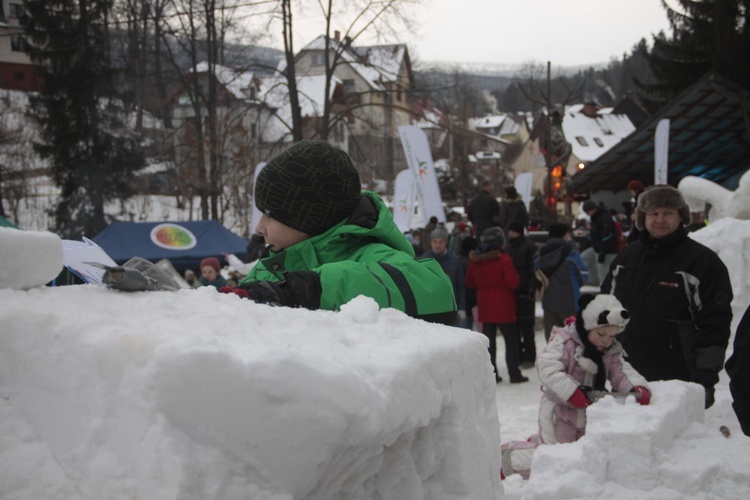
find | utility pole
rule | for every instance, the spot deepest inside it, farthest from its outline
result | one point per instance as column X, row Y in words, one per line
column 548, row 149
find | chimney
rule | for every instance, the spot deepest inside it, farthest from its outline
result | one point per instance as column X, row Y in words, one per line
column 337, row 35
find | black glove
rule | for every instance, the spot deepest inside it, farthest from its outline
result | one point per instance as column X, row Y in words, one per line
column 298, row 289
column 600, row 259
column 709, row 396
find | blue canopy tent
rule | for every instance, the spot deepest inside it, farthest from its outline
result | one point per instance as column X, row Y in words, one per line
column 184, row 244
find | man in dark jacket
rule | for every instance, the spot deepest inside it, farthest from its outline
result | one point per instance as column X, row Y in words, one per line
column 562, row 267
column 604, row 241
column 679, row 293
column 483, row 209
column 512, row 208
column 451, row 264
column 522, row 252
column 738, row 369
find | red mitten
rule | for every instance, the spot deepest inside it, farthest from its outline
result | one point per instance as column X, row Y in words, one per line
column 645, row 395
column 579, row 399
column 237, row 291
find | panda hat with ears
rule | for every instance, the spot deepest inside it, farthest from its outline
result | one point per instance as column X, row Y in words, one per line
column 602, row 310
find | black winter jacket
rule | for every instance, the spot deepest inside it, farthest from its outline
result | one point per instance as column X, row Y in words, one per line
column 512, row 209
column 679, row 295
column 522, row 252
column 603, row 235
column 738, row 369
column 483, row 209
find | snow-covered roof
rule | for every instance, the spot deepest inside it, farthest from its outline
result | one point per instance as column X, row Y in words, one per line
column 237, row 82
column 495, row 125
column 376, row 64
column 387, row 59
column 311, row 91
column 592, row 137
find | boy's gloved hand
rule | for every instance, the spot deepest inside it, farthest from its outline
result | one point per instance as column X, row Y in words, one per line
column 579, row 399
column 299, row 289
column 645, row 395
column 461, row 314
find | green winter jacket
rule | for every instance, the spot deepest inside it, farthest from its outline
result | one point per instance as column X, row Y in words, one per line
column 366, row 254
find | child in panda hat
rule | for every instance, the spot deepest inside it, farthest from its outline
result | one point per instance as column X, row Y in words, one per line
column 583, row 353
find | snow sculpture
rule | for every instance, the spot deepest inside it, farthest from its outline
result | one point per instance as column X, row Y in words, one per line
column 724, row 203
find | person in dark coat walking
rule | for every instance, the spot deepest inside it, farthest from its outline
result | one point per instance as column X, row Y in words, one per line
column 679, row 292
column 562, row 267
column 604, row 242
column 451, row 264
column 483, row 209
column 635, row 188
column 468, row 245
column 738, row 369
column 492, row 273
column 512, row 208
column 522, row 251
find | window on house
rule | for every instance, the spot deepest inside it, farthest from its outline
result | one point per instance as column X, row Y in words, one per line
column 349, row 86
column 581, row 141
column 17, row 75
column 17, row 43
column 16, row 11
column 598, row 142
column 317, row 60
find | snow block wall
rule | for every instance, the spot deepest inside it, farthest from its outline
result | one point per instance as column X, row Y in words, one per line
column 195, row 394
column 623, row 441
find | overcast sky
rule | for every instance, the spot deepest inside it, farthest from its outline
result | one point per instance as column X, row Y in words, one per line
column 565, row 32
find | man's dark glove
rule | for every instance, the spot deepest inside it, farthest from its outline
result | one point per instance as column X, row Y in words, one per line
column 298, row 289
column 600, row 259
column 709, row 396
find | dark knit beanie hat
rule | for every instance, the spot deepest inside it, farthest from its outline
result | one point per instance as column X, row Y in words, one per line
column 661, row 196
column 589, row 205
column 211, row 261
column 516, row 226
column 311, row 187
column 494, row 236
column 557, row 230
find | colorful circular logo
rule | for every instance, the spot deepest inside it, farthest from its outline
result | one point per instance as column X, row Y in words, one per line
column 173, row 237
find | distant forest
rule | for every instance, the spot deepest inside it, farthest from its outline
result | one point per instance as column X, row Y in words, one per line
column 485, row 93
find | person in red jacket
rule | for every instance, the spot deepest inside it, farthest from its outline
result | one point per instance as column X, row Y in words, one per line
column 492, row 274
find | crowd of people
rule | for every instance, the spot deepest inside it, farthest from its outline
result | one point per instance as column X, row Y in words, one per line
column 662, row 298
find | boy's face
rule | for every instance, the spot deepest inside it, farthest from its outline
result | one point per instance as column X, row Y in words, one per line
column 279, row 236
column 603, row 336
column 208, row 273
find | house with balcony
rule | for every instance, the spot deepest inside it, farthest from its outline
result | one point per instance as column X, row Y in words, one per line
column 16, row 69
column 376, row 82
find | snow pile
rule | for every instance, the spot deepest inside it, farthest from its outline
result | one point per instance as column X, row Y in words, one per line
column 29, row 259
column 643, row 450
column 196, row 394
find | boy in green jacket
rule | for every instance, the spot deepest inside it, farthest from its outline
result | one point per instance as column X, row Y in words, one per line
column 329, row 242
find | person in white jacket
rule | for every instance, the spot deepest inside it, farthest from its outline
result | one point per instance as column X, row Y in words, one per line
column 580, row 357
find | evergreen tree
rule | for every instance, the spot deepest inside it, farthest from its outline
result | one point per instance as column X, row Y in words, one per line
column 707, row 36
column 91, row 152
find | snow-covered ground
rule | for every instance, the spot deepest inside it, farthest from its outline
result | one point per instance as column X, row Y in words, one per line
column 194, row 394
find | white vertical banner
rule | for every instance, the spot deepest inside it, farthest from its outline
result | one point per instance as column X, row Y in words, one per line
column 256, row 213
column 403, row 200
column 419, row 160
column 523, row 186
column 661, row 151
